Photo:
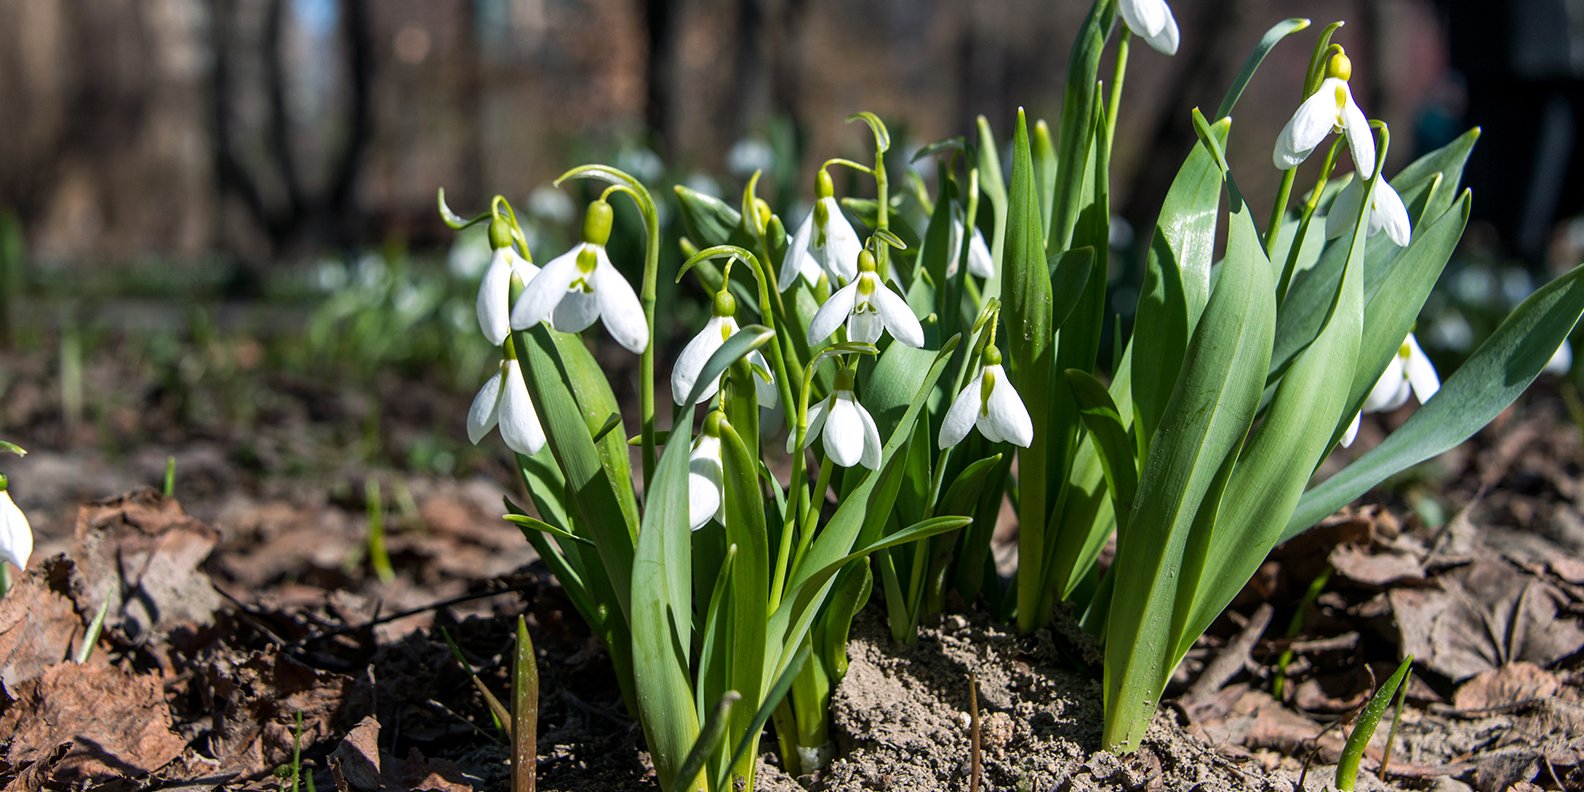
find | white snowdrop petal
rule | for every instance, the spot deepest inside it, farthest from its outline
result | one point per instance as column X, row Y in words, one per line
column 865, row 327
column 1561, row 361
column 1391, row 215
column 792, row 264
column 577, row 312
column 706, row 493
column 1309, row 125
column 546, row 291
column 690, row 364
column 1344, row 209
column 619, row 307
column 871, row 439
column 519, row 421
column 16, row 536
column 843, row 432
column 960, row 418
column 899, row 318
column 980, row 262
column 1420, row 372
column 1007, row 413
column 833, row 313
column 1387, row 388
column 494, row 300
column 764, row 380
column 1361, row 139
column 1143, row 17
column 816, row 422
column 842, row 245
column 485, row 411
column 1352, row 432
column 1168, row 40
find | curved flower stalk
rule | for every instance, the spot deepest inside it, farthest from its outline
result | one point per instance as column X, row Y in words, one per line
column 494, row 296
column 582, row 285
column 1329, row 109
column 850, row 435
column 16, row 536
column 1387, row 212
column 504, row 401
column 690, row 364
column 1152, row 21
column 824, row 242
column 991, row 404
column 1409, row 373
column 706, row 476
column 868, row 308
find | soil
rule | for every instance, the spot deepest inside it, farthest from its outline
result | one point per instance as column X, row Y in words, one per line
column 247, row 601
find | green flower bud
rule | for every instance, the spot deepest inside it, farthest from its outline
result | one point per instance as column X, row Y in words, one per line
column 1339, row 66
column 823, row 187
column 714, row 422
column 499, row 234
column 866, row 261
column 597, row 223
column 991, row 356
column 725, row 303
column 762, row 210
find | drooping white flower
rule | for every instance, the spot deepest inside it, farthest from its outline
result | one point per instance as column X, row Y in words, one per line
column 980, row 263
column 706, row 477
column 1387, row 212
column 990, row 403
column 1329, row 109
column 824, row 242
column 850, row 435
column 868, row 307
column 494, row 296
column 1409, row 373
column 504, row 401
column 582, row 285
column 690, row 364
column 16, row 536
column 1152, row 21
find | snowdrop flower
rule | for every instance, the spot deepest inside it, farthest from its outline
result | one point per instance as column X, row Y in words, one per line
column 1387, row 212
column 494, row 297
column 582, row 285
column 1329, row 109
column 504, row 401
column 868, row 307
column 1152, row 21
column 1409, row 373
column 706, row 474
column 825, row 241
column 979, row 261
column 690, row 364
column 850, row 435
column 1561, row 361
column 990, row 403
column 16, row 536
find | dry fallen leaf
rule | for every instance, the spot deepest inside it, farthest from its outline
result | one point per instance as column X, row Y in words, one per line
column 116, row 724
column 1504, row 686
column 37, row 623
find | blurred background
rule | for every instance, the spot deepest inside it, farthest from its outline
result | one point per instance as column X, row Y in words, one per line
column 192, row 190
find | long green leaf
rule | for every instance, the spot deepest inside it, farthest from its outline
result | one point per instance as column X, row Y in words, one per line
column 1267, row 42
column 1209, row 413
column 1498, row 371
column 1369, row 719
column 992, row 182
column 1077, row 121
column 750, row 590
column 1105, row 425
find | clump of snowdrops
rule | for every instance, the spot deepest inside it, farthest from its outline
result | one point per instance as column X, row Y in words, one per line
column 914, row 342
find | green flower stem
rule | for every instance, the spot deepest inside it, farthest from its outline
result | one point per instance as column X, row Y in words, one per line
column 1116, row 84
column 1278, row 210
column 1289, row 269
column 775, row 321
column 816, row 504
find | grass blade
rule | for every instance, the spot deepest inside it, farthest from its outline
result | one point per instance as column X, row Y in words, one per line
column 1358, row 740
column 525, row 712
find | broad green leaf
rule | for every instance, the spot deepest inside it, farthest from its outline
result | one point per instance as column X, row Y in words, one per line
column 1044, row 152
column 992, row 182
column 853, row 585
column 1498, row 371
column 1077, row 121
column 1028, row 341
column 662, row 616
column 1210, row 411
column 1176, row 278
column 1104, row 422
column 1070, row 282
column 750, row 739
column 1085, row 511
column 1266, row 43
column 526, row 523
column 750, row 590
column 708, row 220
column 964, row 492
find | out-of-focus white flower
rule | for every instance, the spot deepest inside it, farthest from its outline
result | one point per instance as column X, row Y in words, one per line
column 1329, row 109
column 16, row 536
column 1152, row 21
column 980, row 262
column 868, row 307
column 850, row 435
column 551, row 205
column 990, row 403
column 1561, row 361
column 1387, row 212
column 706, row 477
column 749, row 155
column 494, row 296
column 690, row 364
column 504, row 401
column 824, row 242
column 1409, row 373
column 582, row 285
